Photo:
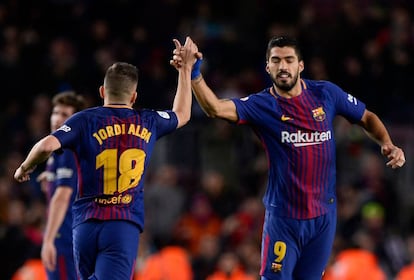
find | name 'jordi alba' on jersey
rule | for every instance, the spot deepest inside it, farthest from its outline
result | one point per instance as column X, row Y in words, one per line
column 113, row 147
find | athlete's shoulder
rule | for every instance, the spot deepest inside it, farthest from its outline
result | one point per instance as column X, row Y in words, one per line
column 152, row 113
column 265, row 93
column 321, row 85
column 90, row 110
column 257, row 96
column 87, row 111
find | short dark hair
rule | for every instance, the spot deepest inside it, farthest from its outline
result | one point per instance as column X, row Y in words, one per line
column 121, row 78
column 283, row 41
column 69, row 98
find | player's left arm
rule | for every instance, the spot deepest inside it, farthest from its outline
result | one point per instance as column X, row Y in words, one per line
column 58, row 207
column 183, row 98
column 40, row 152
column 377, row 131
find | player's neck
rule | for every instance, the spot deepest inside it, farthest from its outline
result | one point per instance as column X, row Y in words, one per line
column 117, row 105
column 287, row 94
column 295, row 91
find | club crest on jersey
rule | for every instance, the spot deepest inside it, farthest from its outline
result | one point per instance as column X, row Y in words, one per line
column 276, row 267
column 319, row 114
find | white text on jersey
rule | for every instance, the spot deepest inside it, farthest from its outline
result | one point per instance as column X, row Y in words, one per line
column 300, row 138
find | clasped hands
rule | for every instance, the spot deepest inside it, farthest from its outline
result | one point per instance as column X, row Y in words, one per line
column 181, row 57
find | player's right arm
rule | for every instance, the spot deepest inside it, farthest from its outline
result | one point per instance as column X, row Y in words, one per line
column 40, row 152
column 211, row 105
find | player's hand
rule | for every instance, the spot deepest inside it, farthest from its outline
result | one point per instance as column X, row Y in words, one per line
column 180, row 58
column 394, row 154
column 49, row 255
column 22, row 175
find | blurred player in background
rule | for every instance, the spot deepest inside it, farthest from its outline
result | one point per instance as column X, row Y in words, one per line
column 59, row 181
column 294, row 120
column 113, row 145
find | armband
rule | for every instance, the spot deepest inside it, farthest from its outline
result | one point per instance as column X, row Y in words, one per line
column 195, row 72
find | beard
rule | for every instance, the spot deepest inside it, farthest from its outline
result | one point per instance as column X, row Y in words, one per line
column 284, row 84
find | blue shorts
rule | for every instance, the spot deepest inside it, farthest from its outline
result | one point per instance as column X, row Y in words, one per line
column 296, row 249
column 105, row 249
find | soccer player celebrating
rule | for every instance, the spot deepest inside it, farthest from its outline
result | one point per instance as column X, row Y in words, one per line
column 294, row 120
column 113, row 145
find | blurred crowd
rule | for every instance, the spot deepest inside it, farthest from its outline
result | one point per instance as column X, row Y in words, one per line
column 205, row 182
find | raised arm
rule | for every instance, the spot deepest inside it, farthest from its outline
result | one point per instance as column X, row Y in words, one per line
column 211, row 105
column 183, row 97
column 377, row 131
column 58, row 207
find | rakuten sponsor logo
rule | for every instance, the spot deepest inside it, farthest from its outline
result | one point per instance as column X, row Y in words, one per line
column 300, row 138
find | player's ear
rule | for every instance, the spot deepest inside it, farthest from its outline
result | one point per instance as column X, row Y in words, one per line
column 134, row 97
column 267, row 68
column 102, row 92
column 301, row 66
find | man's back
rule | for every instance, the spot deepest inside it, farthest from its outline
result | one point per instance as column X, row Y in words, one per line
column 113, row 145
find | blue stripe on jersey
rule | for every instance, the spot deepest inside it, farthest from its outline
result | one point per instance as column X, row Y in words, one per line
column 297, row 134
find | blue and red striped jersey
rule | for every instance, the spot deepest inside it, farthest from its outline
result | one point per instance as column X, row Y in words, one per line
column 62, row 171
column 113, row 147
column 297, row 135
